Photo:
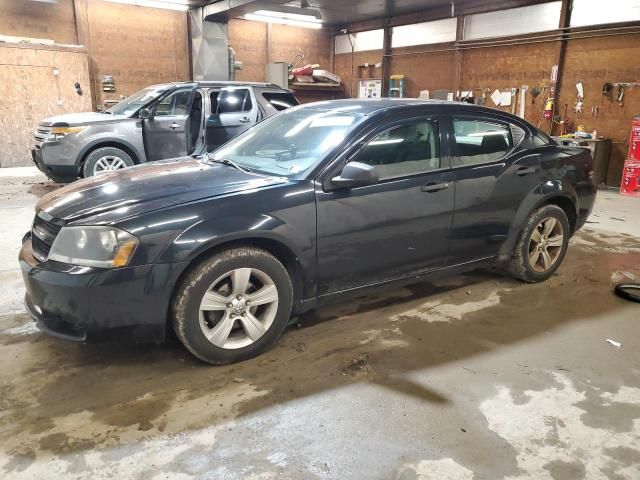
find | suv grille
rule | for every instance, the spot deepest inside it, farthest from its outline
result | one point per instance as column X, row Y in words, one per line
column 41, row 134
column 43, row 233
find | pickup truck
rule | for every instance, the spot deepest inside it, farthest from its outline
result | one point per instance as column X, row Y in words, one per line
column 156, row 123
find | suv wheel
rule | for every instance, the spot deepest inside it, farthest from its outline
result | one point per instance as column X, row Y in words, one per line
column 233, row 306
column 106, row 159
column 542, row 245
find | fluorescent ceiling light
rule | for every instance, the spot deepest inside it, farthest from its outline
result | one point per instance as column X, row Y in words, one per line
column 181, row 5
column 295, row 19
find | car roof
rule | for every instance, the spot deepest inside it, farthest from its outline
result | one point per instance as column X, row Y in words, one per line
column 220, row 83
column 368, row 106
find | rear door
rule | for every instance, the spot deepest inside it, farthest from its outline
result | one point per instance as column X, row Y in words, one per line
column 493, row 175
column 167, row 133
column 237, row 110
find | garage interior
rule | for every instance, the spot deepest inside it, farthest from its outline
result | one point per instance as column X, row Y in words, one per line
column 475, row 376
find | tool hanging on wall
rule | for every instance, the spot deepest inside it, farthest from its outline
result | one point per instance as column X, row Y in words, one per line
column 535, row 92
column 579, row 105
column 606, row 91
column 620, row 95
column 548, row 108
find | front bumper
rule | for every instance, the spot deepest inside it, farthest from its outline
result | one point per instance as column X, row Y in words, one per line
column 86, row 304
column 56, row 161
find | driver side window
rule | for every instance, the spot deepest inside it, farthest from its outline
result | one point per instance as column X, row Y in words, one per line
column 403, row 150
column 176, row 103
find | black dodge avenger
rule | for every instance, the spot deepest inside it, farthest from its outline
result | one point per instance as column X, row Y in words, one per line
column 317, row 203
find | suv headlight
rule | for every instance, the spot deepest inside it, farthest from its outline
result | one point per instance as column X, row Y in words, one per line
column 58, row 133
column 93, row 246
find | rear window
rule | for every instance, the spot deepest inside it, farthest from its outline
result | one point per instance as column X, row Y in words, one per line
column 280, row 100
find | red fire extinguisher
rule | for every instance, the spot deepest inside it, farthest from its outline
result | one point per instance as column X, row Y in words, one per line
column 548, row 109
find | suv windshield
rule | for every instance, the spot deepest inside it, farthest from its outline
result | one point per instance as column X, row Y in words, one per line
column 135, row 102
column 289, row 143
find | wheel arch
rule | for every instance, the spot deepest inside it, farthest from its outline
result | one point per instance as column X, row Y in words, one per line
column 275, row 247
column 567, row 205
column 128, row 149
column 561, row 198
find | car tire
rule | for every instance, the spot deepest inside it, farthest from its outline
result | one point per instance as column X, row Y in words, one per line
column 542, row 245
column 106, row 159
column 214, row 284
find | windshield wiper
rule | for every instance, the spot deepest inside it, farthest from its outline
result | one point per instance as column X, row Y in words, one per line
column 231, row 163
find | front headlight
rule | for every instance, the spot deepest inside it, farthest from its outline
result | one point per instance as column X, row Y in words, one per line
column 93, row 246
column 58, row 133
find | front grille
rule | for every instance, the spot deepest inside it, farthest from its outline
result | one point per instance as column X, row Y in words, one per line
column 41, row 134
column 43, row 233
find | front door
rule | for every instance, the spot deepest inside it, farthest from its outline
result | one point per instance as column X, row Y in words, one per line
column 237, row 110
column 167, row 132
column 397, row 227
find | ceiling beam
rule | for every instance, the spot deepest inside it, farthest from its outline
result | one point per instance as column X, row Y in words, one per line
column 461, row 8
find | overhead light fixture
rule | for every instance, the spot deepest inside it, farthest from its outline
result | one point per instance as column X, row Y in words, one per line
column 181, row 5
column 286, row 18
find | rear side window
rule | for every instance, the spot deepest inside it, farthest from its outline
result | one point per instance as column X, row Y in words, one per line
column 403, row 150
column 235, row 100
column 480, row 141
column 280, row 100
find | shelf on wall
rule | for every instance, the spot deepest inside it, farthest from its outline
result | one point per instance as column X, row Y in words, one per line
column 315, row 87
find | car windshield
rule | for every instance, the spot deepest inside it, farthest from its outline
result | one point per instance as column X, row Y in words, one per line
column 289, row 143
column 135, row 102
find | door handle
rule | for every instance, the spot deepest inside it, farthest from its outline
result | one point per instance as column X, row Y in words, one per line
column 434, row 187
column 245, row 120
column 522, row 171
column 175, row 125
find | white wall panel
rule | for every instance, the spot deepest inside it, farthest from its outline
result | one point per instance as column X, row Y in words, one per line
column 514, row 21
column 424, row 33
column 371, row 40
column 592, row 12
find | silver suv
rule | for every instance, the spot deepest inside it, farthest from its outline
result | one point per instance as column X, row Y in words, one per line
column 158, row 122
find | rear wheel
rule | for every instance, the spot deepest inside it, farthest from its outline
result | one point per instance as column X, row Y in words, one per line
column 233, row 306
column 542, row 245
column 106, row 159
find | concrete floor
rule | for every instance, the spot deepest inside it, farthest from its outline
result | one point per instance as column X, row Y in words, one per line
column 475, row 377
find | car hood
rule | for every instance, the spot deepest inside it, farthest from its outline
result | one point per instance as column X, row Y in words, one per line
column 84, row 118
column 112, row 197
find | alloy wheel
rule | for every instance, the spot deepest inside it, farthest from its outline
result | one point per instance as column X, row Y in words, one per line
column 545, row 244
column 108, row 163
column 238, row 308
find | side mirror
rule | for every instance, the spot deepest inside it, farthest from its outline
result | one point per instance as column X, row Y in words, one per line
column 356, row 174
column 145, row 114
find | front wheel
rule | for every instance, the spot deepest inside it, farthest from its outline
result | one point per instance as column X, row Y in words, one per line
column 542, row 245
column 233, row 306
column 106, row 159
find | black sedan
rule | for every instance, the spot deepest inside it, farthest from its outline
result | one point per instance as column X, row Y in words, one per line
column 318, row 203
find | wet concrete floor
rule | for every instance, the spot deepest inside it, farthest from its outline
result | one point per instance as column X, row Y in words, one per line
column 472, row 377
